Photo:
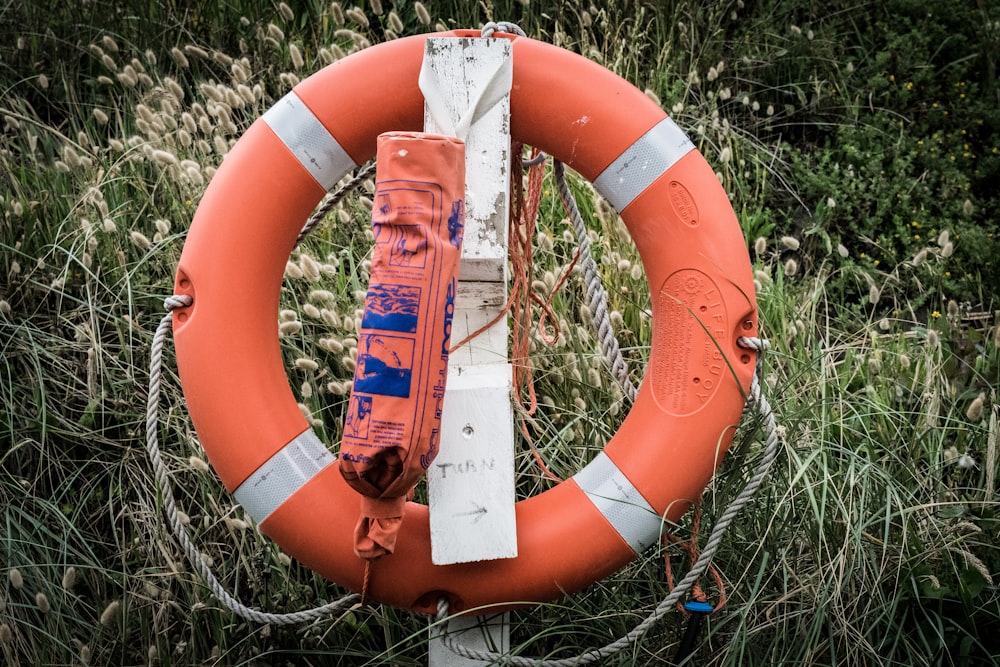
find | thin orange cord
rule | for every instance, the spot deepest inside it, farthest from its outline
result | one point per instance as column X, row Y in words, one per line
column 690, row 547
column 364, row 583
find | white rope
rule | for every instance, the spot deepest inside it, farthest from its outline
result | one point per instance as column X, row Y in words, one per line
column 334, row 199
column 503, row 26
column 755, row 399
column 162, row 477
column 600, row 319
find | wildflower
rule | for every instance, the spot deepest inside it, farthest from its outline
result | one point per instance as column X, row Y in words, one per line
column 236, row 524
column 310, row 269
column 966, row 462
column 770, row 109
column 179, row 57
column 199, row 464
column 842, row 251
column 128, row 76
column 791, row 267
column 947, row 250
column 831, row 202
column 140, row 240
column 331, row 345
column 795, row 30
column 42, row 602
column 873, row 294
column 69, row 578
column 196, row 51
column 943, row 238
column 358, row 16
column 311, row 311
column 920, row 257
column 286, row 11
column 109, row 62
column 6, row 635
column 338, row 13
column 306, row 364
column 376, row 6
column 288, row 328
column 110, row 613
column 296, row 54
column 15, row 578
column 166, row 158
column 422, row 14
column 395, row 23
column 936, row 314
column 725, row 155
column 790, row 242
column 43, row 81
column 975, row 411
column 760, row 246
column 306, row 391
column 71, row 157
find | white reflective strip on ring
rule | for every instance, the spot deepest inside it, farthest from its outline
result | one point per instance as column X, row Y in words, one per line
column 308, row 140
column 643, row 162
column 283, row 475
column 621, row 503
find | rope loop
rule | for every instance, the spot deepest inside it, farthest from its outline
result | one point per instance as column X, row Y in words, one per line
column 175, row 301
column 492, row 27
column 162, row 479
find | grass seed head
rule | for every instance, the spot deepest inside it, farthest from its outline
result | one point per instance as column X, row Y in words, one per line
column 422, row 14
column 975, row 411
column 110, row 613
column 357, row 16
column 69, row 578
column 790, row 242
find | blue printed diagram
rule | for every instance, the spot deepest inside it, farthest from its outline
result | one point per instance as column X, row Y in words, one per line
column 456, row 224
column 359, row 417
column 385, row 365
column 406, row 244
column 392, row 307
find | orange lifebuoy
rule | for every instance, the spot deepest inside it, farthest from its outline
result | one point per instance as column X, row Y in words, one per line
column 665, row 451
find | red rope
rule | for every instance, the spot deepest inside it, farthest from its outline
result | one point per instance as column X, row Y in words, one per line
column 690, row 547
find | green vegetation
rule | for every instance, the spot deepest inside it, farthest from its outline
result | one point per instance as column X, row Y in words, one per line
column 860, row 143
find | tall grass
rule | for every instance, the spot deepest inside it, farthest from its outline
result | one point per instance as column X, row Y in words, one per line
column 874, row 542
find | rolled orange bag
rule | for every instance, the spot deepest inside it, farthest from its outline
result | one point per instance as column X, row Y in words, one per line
column 393, row 425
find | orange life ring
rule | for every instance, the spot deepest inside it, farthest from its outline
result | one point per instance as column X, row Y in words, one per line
column 668, row 446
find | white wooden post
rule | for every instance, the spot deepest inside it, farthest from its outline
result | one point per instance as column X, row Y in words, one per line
column 471, row 482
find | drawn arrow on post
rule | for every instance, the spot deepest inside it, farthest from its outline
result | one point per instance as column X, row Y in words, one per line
column 479, row 512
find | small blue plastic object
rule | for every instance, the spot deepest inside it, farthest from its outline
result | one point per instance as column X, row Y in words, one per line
column 699, row 607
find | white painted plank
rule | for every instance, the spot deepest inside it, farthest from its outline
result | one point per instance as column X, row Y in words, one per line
column 476, row 305
column 471, row 482
column 463, row 66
